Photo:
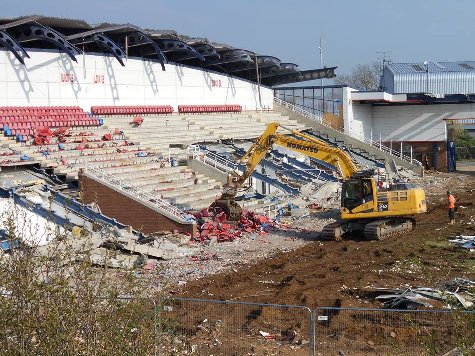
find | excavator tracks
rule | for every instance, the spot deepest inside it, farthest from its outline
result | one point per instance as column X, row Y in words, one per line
column 333, row 231
column 382, row 229
column 373, row 230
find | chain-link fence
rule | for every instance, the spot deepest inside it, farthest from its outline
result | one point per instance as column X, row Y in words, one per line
column 178, row 326
column 392, row 332
column 211, row 327
column 206, row 327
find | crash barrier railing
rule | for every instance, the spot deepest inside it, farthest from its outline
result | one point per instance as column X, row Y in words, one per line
column 376, row 144
column 299, row 110
column 240, row 328
column 211, row 158
column 123, row 185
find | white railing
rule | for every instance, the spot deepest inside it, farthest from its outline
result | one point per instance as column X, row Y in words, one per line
column 212, row 159
column 299, row 110
column 376, row 144
column 388, row 150
column 137, row 192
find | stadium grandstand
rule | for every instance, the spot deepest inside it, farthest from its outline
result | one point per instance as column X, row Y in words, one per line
column 145, row 125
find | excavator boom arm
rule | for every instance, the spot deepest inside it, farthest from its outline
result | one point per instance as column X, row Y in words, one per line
column 307, row 145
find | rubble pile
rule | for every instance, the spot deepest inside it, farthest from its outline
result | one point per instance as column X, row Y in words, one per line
column 464, row 241
column 213, row 225
column 452, row 294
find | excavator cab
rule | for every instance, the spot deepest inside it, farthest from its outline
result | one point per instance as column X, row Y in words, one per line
column 356, row 192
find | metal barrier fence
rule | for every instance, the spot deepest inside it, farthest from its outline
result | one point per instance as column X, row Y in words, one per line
column 212, row 327
column 392, row 332
column 206, row 327
column 180, row 326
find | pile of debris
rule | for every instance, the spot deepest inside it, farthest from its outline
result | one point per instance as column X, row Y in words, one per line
column 464, row 241
column 453, row 294
column 213, row 225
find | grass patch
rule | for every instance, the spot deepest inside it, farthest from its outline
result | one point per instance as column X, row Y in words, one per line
column 438, row 244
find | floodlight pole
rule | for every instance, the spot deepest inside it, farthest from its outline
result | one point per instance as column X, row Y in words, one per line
column 320, row 47
column 427, row 77
column 258, row 82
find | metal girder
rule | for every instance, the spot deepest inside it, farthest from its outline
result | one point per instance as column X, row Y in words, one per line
column 267, row 61
column 139, row 38
column 31, row 32
column 110, row 46
column 172, row 45
column 265, row 64
column 206, row 50
column 324, row 73
column 283, row 78
column 20, row 22
column 135, row 37
column 284, row 69
column 13, row 46
column 232, row 56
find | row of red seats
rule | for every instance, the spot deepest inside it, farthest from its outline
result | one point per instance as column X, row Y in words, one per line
column 208, row 108
column 132, row 110
column 23, row 132
column 32, row 110
column 45, row 117
column 56, row 123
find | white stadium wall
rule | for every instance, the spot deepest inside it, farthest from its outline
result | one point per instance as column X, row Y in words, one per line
column 52, row 78
column 357, row 118
column 408, row 123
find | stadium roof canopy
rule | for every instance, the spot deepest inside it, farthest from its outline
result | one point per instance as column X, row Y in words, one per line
column 18, row 35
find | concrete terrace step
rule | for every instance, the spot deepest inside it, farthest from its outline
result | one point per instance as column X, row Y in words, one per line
column 166, row 185
column 145, row 167
column 208, row 194
column 188, row 192
column 158, row 177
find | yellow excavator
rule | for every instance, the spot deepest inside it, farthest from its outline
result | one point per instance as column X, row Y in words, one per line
column 365, row 207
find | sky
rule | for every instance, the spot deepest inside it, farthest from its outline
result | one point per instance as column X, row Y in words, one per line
column 353, row 31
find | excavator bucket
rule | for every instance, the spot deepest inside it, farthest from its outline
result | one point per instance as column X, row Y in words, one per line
column 232, row 209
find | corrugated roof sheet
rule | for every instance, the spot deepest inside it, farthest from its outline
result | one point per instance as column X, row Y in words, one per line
column 433, row 67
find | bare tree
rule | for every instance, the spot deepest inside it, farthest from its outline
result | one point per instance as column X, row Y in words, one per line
column 363, row 77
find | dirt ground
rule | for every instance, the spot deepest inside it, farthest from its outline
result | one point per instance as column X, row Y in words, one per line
column 331, row 273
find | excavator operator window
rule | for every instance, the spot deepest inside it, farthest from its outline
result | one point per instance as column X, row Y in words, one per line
column 367, row 190
column 356, row 192
column 352, row 194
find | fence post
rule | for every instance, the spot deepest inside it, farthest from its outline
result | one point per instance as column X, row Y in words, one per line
column 156, row 322
column 312, row 340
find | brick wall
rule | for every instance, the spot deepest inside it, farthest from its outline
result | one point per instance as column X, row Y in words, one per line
column 421, row 150
column 126, row 210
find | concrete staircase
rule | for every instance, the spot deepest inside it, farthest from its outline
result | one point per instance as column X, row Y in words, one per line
column 390, row 160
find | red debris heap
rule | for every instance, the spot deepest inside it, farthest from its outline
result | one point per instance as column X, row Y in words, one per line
column 214, row 225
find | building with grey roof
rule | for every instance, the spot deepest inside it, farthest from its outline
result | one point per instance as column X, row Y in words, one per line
column 437, row 78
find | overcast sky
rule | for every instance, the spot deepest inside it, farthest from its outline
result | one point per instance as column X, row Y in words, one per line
column 353, row 31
